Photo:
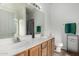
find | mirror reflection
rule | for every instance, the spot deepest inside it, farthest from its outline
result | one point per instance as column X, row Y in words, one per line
column 7, row 24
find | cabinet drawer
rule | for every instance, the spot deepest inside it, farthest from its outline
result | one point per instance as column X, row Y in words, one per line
column 72, row 37
column 44, row 44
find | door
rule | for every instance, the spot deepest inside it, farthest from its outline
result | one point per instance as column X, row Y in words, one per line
column 35, row 51
column 26, row 53
column 73, row 43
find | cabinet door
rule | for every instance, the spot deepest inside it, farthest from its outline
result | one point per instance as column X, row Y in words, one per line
column 21, row 54
column 35, row 51
column 26, row 53
column 73, row 43
column 50, row 48
column 44, row 49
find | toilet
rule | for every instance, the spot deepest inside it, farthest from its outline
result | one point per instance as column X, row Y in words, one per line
column 59, row 47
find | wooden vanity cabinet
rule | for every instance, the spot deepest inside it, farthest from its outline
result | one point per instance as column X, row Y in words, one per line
column 35, row 51
column 44, row 49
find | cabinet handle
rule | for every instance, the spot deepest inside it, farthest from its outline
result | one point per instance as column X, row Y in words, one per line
column 44, row 47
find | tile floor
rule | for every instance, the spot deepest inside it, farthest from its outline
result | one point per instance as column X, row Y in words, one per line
column 62, row 53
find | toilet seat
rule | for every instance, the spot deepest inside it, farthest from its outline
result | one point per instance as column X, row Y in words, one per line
column 59, row 47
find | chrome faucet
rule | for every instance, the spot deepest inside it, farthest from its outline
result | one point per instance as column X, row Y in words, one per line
column 18, row 39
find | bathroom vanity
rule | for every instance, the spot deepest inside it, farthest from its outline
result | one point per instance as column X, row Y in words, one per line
column 34, row 47
column 44, row 48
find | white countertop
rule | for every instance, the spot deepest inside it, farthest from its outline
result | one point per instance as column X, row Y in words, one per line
column 13, row 49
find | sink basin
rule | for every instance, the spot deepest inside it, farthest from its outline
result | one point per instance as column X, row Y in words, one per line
column 26, row 38
column 44, row 37
column 21, row 44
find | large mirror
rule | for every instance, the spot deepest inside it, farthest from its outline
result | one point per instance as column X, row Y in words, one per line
column 7, row 24
column 34, row 21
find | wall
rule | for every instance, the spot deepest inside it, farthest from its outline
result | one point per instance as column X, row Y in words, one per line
column 61, row 14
